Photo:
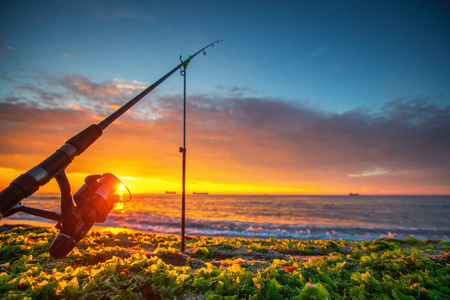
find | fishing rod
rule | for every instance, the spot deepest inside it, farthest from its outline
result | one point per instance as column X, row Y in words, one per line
column 96, row 197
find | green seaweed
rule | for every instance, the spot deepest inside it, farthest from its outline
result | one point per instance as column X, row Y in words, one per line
column 145, row 266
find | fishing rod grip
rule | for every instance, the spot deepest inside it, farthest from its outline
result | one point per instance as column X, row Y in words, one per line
column 10, row 197
column 28, row 183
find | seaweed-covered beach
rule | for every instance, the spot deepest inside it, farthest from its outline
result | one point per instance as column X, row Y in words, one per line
column 144, row 265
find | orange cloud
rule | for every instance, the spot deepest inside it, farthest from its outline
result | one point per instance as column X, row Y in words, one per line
column 77, row 107
column 130, row 86
column 85, row 87
column 114, row 107
column 238, row 145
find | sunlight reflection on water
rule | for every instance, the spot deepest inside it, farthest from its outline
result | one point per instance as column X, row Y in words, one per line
column 280, row 216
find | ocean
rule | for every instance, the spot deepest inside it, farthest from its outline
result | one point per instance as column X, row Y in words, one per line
column 265, row 216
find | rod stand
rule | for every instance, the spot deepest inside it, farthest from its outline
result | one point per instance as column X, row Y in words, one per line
column 183, row 151
column 183, row 202
column 54, row 216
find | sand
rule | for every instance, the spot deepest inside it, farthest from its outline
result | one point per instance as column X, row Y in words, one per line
column 35, row 223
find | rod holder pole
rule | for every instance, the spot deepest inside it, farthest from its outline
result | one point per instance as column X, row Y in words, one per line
column 183, row 194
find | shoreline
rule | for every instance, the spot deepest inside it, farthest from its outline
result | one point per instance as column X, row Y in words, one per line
column 35, row 223
column 318, row 233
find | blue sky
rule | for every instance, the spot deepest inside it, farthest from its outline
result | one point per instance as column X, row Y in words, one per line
column 333, row 59
column 334, row 55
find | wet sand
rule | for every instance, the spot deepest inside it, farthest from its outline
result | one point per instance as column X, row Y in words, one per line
column 33, row 223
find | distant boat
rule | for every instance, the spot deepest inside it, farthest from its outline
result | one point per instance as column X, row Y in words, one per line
column 197, row 193
column 171, row 193
column 353, row 194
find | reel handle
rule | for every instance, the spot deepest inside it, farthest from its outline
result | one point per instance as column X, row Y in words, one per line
column 94, row 201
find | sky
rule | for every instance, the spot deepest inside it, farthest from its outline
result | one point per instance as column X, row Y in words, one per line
column 302, row 97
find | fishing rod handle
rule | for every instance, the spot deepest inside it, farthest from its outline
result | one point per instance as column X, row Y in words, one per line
column 10, row 197
column 28, row 183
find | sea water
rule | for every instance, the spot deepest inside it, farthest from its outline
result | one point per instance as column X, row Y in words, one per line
column 265, row 216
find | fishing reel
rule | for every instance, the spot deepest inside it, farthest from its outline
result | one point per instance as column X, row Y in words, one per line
column 90, row 204
column 94, row 200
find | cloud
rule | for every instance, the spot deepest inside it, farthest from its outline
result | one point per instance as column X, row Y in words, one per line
column 5, row 49
column 77, row 107
column 130, row 86
column 312, row 55
column 7, row 52
column 298, row 144
column 235, row 91
column 235, row 140
column 134, row 82
column 371, row 172
column 46, row 90
column 81, row 85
